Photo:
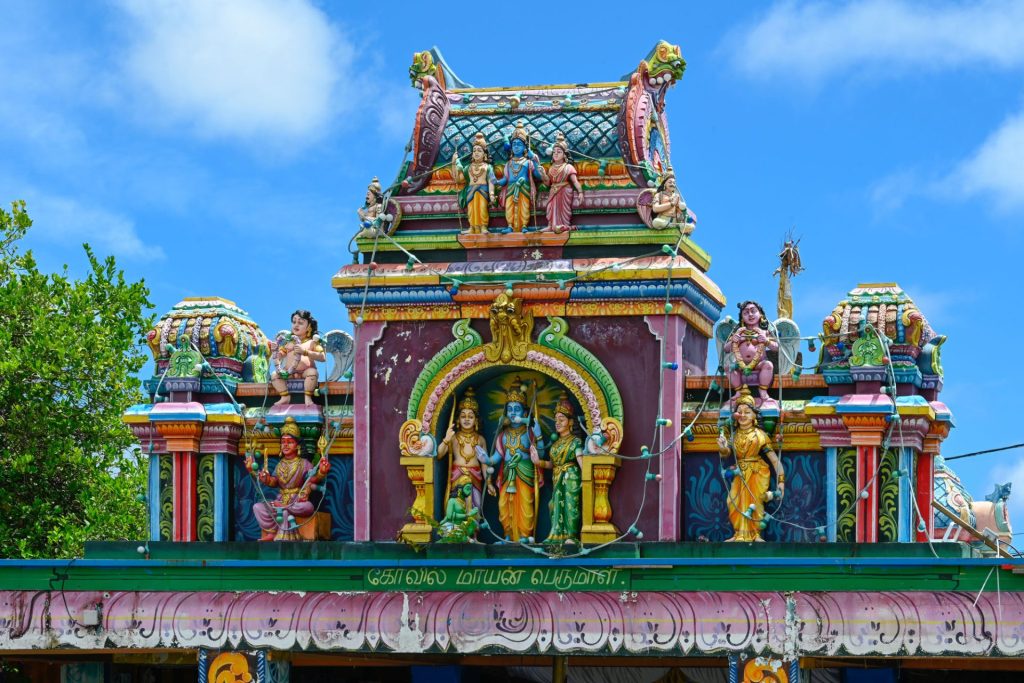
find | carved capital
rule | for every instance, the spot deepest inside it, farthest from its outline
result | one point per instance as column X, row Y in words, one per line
column 831, row 430
column 181, row 436
column 219, row 437
column 865, row 430
column 147, row 434
column 937, row 433
column 912, row 432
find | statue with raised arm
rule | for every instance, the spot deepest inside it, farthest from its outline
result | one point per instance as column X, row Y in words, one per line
column 519, row 180
column 789, row 267
column 298, row 352
column 467, row 449
column 295, row 477
column 751, row 478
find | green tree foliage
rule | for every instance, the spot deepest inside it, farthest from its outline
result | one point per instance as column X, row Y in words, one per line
column 69, row 358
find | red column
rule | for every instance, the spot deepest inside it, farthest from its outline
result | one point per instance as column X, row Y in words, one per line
column 183, row 439
column 867, row 508
column 867, row 431
column 185, row 496
column 925, row 483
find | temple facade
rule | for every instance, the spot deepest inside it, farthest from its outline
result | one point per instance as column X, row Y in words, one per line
column 525, row 460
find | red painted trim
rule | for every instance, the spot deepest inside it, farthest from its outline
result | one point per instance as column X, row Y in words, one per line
column 185, row 496
column 924, row 493
column 867, row 509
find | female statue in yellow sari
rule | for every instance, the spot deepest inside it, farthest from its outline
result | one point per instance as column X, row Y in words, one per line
column 749, row 490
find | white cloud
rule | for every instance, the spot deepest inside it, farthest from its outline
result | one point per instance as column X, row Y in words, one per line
column 809, row 41
column 994, row 171
column 272, row 71
column 61, row 220
column 996, row 168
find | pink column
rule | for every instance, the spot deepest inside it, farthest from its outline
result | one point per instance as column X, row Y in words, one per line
column 669, row 491
column 366, row 335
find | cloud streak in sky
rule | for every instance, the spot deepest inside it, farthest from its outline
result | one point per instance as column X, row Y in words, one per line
column 996, row 168
column 64, row 221
column 812, row 41
column 258, row 70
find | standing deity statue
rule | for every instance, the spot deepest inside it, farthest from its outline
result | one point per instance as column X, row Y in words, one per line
column 564, row 191
column 789, row 266
column 466, row 449
column 297, row 354
column 750, row 343
column 371, row 213
column 669, row 207
column 478, row 193
column 295, row 477
column 751, row 478
column 518, row 182
column 517, row 445
column 565, row 455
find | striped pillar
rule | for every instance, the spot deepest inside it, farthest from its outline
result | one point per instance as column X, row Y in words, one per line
column 183, row 438
column 867, row 431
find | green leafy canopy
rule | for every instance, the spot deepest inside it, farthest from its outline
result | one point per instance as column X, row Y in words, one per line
column 69, row 358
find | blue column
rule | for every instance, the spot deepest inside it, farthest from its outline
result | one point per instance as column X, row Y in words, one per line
column 906, row 502
column 221, row 492
column 831, row 492
column 154, row 497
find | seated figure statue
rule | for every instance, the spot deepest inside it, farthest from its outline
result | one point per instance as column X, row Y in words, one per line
column 460, row 517
column 297, row 354
column 750, row 343
column 669, row 207
column 295, row 477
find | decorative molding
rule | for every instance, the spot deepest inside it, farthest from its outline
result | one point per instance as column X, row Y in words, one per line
column 826, row 624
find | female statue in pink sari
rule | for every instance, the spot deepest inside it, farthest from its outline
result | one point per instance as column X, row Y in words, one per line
column 564, row 189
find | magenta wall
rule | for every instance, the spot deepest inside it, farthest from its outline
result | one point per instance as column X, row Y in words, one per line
column 626, row 347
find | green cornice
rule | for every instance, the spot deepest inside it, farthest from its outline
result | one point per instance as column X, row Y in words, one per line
column 188, row 567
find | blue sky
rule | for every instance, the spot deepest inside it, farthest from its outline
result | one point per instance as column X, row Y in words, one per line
column 223, row 148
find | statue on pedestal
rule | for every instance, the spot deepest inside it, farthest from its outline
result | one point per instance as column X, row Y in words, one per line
column 517, row 445
column 478, row 193
column 466, row 449
column 669, row 207
column 751, row 478
column 564, row 189
column 749, row 344
column 298, row 352
column 518, row 182
column 296, row 478
column 566, row 479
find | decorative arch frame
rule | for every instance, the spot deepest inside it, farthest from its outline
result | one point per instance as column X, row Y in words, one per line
column 554, row 354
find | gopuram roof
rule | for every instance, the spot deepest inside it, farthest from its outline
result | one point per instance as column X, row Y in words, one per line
column 524, row 453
